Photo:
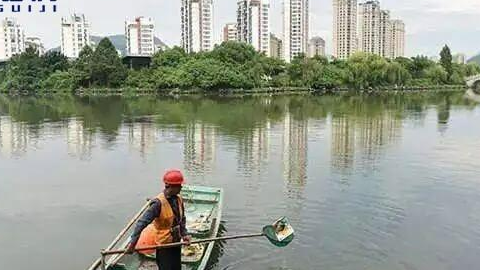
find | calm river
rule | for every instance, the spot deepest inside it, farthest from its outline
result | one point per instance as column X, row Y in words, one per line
column 374, row 183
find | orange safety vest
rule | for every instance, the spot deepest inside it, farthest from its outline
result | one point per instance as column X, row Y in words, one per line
column 159, row 231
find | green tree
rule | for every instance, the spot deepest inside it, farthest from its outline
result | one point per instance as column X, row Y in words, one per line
column 211, row 74
column 24, row 71
column 55, row 61
column 107, row 67
column 446, row 60
column 419, row 65
column 472, row 69
column 169, row 58
column 437, row 75
column 59, row 80
column 234, row 53
column 83, row 68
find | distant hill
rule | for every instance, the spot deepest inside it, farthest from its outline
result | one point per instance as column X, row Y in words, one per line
column 118, row 41
column 475, row 59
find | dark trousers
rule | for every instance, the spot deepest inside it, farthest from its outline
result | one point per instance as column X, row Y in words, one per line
column 169, row 258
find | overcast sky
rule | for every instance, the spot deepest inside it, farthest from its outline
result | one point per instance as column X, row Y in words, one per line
column 430, row 23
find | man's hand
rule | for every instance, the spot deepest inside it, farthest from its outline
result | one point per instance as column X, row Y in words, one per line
column 131, row 248
column 187, row 239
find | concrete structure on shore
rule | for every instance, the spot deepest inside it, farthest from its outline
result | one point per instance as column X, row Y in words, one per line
column 253, row 24
column 75, row 35
column 197, row 25
column 295, row 28
column 140, row 36
column 12, row 38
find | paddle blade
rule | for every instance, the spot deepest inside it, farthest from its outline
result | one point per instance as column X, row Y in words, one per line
column 280, row 233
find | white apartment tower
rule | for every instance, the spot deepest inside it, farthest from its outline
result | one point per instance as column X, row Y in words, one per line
column 230, row 32
column 369, row 27
column 75, row 35
column 12, row 38
column 375, row 29
column 385, row 44
column 316, row 47
column 397, row 38
column 378, row 34
column 197, row 25
column 344, row 28
column 253, row 24
column 295, row 28
column 140, row 36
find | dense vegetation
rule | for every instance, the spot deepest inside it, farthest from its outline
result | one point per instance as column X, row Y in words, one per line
column 230, row 65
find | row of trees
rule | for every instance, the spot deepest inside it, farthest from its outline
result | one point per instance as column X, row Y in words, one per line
column 29, row 71
column 229, row 65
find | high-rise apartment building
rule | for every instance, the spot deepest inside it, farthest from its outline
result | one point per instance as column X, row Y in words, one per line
column 140, row 36
column 369, row 27
column 253, row 24
column 230, row 32
column 75, row 35
column 316, row 47
column 374, row 29
column 295, row 28
column 276, row 47
column 385, row 44
column 344, row 28
column 397, row 42
column 378, row 34
column 12, row 38
column 35, row 43
column 197, row 25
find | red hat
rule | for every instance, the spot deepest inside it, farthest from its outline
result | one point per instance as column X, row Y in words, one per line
column 173, row 177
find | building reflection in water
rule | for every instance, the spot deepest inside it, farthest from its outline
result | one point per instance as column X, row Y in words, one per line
column 294, row 149
column 253, row 149
column 14, row 137
column 362, row 139
column 80, row 140
column 343, row 142
column 199, row 148
column 142, row 136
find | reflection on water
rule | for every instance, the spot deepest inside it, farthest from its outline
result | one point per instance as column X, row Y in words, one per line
column 365, row 180
column 364, row 137
column 295, row 148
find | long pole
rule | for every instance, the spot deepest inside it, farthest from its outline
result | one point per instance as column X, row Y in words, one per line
column 122, row 251
column 121, row 234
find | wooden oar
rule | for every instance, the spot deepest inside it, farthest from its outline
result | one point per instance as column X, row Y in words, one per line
column 123, row 251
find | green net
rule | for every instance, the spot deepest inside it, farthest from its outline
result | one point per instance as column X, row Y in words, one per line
column 280, row 233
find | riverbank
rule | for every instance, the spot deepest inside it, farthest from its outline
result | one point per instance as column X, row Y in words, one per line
column 271, row 91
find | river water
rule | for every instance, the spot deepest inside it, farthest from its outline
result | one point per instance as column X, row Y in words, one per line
column 389, row 182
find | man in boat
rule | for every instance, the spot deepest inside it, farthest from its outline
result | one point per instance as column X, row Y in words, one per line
column 164, row 223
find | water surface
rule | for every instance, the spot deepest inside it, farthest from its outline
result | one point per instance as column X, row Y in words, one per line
column 371, row 183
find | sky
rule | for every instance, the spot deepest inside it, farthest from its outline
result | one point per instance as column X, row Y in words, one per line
column 430, row 24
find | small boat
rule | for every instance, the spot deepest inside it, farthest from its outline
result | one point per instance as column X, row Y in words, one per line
column 203, row 211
